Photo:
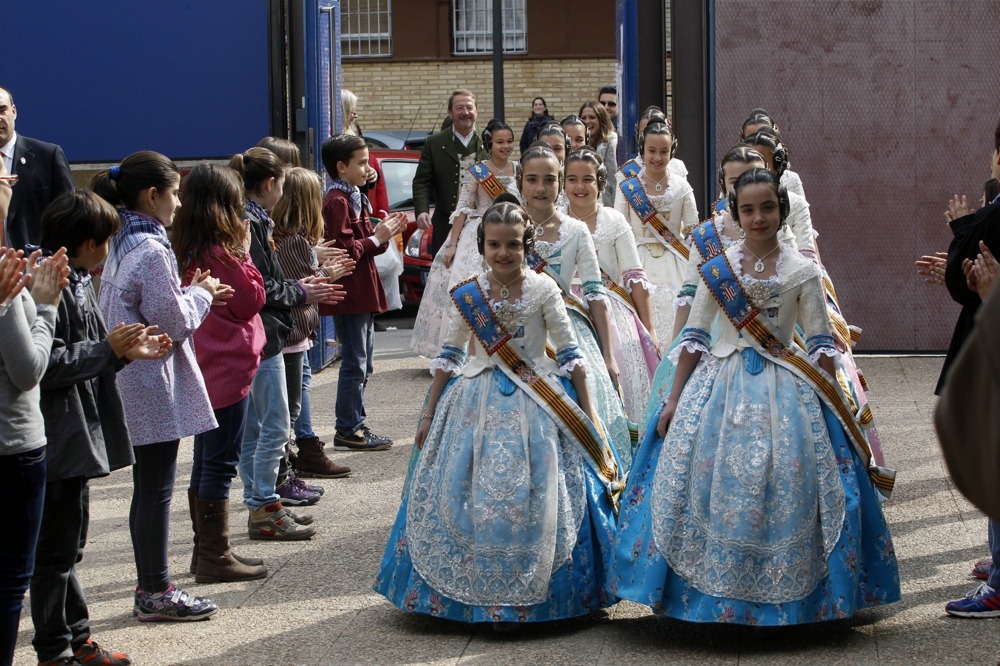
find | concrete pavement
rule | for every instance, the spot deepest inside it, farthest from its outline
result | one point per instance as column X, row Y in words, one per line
column 317, row 607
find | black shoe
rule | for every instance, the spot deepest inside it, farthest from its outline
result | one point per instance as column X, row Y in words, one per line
column 375, row 439
column 356, row 442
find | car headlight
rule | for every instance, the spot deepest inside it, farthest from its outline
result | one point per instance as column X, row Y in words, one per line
column 413, row 244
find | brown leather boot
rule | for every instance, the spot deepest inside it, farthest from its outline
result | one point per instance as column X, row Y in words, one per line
column 215, row 558
column 312, row 461
column 249, row 561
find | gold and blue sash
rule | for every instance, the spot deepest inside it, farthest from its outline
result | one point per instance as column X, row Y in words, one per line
column 487, row 179
column 718, row 275
column 472, row 304
column 573, row 302
column 635, row 195
column 706, row 238
column 720, row 205
column 631, row 168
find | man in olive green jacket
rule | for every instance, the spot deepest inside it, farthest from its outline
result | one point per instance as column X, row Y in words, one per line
column 444, row 161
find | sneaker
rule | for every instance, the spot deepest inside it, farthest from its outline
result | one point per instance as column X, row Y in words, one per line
column 356, row 442
column 92, row 654
column 983, row 601
column 293, row 494
column 275, row 523
column 172, row 605
column 296, row 480
column 981, row 569
column 372, row 438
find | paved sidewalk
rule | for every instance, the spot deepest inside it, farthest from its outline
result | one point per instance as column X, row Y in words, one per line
column 317, row 606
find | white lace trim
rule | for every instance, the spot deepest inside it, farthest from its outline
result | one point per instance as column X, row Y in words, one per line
column 445, row 364
column 595, row 297
column 683, row 300
column 691, row 346
column 469, row 212
column 824, row 351
column 567, row 368
column 546, row 249
column 643, row 282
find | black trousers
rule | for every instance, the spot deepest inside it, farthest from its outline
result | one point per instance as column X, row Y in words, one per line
column 58, row 606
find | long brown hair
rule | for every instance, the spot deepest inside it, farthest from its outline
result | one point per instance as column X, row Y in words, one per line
column 605, row 128
column 211, row 214
column 300, row 208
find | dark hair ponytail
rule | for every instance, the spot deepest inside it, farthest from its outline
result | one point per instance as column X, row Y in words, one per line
column 506, row 211
column 741, row 154
column 123, row 184
column 766, row 137
column 492, row 128
column 760, row 176
column 256, row 166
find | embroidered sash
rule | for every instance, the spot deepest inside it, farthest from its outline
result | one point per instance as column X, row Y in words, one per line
column 637, row 200
column 706, row 238
column 487, row 179
column 472, row 304
column 720, row 205
column 630, row 169
column 719, row 277
column 539, row 265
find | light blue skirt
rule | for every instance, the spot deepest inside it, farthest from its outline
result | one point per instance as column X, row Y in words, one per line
column 860, row 570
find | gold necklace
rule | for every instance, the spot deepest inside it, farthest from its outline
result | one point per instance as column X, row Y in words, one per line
column 759, row 264
column 540, row 227
column 504, row 291
column 584, row 218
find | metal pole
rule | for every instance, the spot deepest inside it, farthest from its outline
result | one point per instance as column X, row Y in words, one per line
column 498, row 60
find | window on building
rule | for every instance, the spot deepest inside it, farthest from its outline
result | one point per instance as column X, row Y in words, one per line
column 472, row 21
column 365, row 28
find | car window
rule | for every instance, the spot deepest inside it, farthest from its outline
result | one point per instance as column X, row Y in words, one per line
column 375, row 144
column 398, row 176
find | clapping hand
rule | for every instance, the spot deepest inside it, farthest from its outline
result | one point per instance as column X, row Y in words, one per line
column 390, row 226
column 985, row 269
column 933, row 267
column 123, row 338
column 326, row 251
column 150, row 347
column 49, row 277
column 340, row 267
column 958, row 207
column 13, row 277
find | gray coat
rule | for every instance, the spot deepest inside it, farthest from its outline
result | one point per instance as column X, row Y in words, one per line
column 85, row 425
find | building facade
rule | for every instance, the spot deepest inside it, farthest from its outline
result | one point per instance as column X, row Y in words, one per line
column 402, row 58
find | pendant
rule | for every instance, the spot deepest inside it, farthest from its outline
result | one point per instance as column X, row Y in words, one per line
column 758, row 266
column 505, row 292
column 659, row 188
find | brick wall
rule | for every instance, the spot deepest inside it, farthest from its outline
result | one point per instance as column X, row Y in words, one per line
column 390, row 94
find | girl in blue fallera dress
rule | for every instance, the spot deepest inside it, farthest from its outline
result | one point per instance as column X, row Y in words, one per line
column 508, row 514
column 753, row 498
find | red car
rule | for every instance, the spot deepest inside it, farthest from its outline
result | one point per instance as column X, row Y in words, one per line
column 398, row 167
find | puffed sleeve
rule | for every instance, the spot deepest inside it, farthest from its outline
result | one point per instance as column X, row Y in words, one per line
column 452, row 356
column 697, row 335
column 800, row 222
column 468, row 200
column 560, row 331
column 591, row 285
column 628, row 260
column 689, row 212
column 815, row 320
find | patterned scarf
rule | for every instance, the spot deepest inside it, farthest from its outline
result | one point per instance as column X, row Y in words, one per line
column 135, row 229
column 79, row 279
column 255, row 209
column 357, row 199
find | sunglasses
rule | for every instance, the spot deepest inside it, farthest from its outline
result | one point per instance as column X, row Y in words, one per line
column 609, row 103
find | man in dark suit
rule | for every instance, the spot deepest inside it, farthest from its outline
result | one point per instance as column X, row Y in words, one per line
column 42, row 175
column 445, row 158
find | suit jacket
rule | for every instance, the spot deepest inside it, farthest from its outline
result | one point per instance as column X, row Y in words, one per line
column 439, row 176
column 43, row 175
column 352, row 233
column 983, row 225
column 967, row 416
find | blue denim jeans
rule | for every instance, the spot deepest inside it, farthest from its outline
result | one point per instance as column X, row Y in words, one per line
column 217, row 453
column 303, row 425
column 22, row 495
column 267, row 432
column 356, row 333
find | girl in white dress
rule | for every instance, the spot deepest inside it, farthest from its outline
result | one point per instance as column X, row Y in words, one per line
column 508, row 516
column 458, row 259
column 564, row 249
column 635, row 347
column 661, row 209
